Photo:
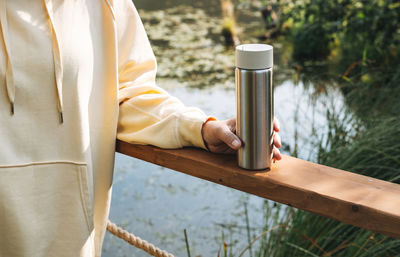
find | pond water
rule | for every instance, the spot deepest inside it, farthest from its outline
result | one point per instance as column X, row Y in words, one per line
column 157, row 204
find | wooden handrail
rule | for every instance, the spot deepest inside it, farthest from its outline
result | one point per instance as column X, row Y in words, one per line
column 348, row 197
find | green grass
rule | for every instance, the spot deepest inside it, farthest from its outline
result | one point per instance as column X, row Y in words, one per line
column 374, row 150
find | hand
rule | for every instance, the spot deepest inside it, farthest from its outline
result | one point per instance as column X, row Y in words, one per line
column 220, row 137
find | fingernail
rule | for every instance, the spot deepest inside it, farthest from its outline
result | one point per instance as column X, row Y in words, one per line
column 236, row 143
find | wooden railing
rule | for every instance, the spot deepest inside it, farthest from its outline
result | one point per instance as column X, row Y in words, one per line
column 348, row 197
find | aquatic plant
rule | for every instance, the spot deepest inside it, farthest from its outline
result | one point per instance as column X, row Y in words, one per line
column 374, row 150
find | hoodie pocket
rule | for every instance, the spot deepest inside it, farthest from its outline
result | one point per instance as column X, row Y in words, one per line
column 46, row 210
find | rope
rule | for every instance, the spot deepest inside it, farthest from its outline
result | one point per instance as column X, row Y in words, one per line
column 136, row 241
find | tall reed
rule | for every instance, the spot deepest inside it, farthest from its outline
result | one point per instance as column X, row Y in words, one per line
column 374, row 151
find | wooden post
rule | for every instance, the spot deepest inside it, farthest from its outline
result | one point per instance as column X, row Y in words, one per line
column 348, row 197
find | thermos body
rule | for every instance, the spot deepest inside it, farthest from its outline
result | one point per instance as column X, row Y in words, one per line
column 254, row 115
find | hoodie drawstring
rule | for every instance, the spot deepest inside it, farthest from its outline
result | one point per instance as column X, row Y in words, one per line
column 58, row 64
column 9, row 81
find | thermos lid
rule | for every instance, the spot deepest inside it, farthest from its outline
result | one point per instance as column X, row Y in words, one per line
column 254, row 56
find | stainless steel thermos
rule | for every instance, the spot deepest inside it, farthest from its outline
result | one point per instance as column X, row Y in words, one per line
column 254, row 105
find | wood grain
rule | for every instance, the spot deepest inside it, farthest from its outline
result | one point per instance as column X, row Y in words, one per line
column 348, row 197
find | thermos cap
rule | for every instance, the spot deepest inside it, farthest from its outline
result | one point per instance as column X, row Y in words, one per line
column 254, row 56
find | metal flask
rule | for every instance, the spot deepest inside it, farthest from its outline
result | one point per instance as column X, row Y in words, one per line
column 254, row 105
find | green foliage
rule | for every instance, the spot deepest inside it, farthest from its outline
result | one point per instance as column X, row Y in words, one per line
column 366, row 29
column 315, row 25
column 311, row 41
column 371, row 32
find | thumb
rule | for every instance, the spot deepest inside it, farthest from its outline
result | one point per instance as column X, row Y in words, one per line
column 229, row 138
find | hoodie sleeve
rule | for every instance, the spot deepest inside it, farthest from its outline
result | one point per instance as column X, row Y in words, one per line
column 147, row 113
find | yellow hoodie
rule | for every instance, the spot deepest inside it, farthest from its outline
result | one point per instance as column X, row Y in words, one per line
column 74, row 74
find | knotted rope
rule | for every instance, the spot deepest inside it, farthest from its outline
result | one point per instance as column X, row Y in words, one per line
column 136, row 241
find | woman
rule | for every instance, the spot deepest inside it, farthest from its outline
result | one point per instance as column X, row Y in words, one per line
column 74, row 76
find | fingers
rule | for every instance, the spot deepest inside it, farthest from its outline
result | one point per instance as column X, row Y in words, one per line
column 276, row 154
column 277, row 140
column 228, row 137
column 276, row 125
column 226, row 133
